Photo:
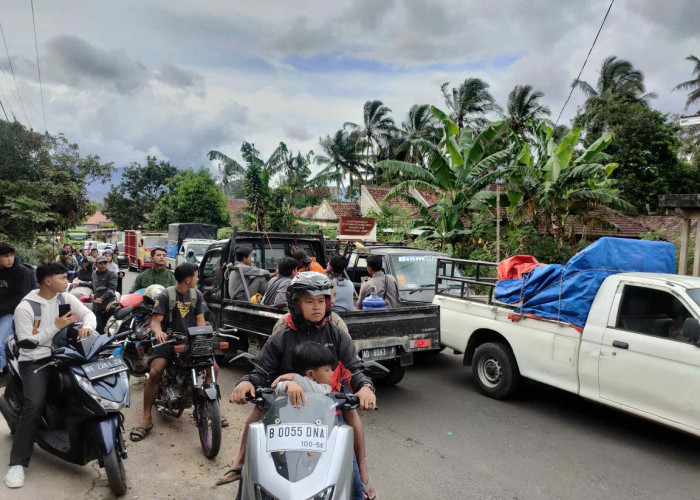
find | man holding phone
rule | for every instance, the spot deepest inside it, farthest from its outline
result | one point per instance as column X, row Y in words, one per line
column 48, row 300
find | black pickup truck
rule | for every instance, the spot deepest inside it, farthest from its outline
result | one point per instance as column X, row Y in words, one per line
column 390, row 336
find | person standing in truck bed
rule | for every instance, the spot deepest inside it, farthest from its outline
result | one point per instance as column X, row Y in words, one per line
column 384, row 285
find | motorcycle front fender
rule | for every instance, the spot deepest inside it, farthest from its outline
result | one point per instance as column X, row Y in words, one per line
column 106, row 433
column 208, row 392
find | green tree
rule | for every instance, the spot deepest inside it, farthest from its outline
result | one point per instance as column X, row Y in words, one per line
column 523, row 108
column 469, row 103
column 130, row 203
column 46, row 179
column 339, row 159
column 646, row 147
column 233, row 173
column 455, row 170
column 376, row 126
column 692, row 85
column 192, row 196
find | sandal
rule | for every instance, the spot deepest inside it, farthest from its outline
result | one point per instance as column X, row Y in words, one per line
column 235, row 476
column 138, row 433
column 224, row 422
column 368, row 490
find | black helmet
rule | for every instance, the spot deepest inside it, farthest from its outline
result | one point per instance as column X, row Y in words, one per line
column 312, row 283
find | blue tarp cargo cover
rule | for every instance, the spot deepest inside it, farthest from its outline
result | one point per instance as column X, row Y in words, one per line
column 566, row 292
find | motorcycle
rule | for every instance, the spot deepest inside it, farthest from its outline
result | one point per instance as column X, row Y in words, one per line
column 82, row 419
column 134, row 317
column 184, row 384
column 300, row 453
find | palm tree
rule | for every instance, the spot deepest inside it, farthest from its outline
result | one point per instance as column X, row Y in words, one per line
column 232, row 171
column 618, row 79
column 340, row 159
column 693, row 85
column 469, row 102
column 421, row 124
column 456, row 170
column 377, row 124
column 523, row 108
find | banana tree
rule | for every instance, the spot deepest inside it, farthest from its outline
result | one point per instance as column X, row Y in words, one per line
column 555, row 182
column 455, row 169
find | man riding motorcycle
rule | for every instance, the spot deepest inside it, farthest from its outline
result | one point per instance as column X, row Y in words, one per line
column 309, row 301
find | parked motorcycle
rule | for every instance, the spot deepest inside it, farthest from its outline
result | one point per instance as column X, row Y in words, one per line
column 184, row 384
column 301, row 453
column 134, row 317
column 82, row 419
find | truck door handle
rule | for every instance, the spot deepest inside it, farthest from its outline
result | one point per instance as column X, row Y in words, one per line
column 621, row 345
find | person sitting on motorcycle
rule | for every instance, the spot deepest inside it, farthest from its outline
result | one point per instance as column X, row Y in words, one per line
column 185, row 313
column 16, row 280
column 313, row 364
column 84, row 275
column 52, row 282
column 67, row 260
column 104, row 289
column 156, row 275
column 309, row 298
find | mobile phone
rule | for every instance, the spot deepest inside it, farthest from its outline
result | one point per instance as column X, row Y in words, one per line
column 63, row 309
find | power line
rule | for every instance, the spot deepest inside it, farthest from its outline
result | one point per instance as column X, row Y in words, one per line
column 584, row 62
column 38, row 69
column 4, row 112
column 13, row 76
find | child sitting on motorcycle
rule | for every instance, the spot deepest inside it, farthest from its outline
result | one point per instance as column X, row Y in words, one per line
column 313, row 364
column 309, row 302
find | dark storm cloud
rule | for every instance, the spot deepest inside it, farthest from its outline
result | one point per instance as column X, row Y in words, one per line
column 178, row 77
column 298, row 132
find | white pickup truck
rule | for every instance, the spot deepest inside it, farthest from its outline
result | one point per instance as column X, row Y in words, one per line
column 639, row 350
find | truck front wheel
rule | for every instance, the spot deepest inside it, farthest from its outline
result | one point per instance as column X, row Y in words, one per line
column 495, row 370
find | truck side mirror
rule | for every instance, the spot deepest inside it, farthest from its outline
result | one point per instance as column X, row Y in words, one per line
column 691, row 330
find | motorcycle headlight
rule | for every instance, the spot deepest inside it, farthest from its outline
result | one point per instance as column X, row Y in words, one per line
column 262, row 494
column 326, row 494
column 107, row 404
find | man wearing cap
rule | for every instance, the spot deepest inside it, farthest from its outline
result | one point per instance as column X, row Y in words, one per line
column 306, row 263
column 104, row 287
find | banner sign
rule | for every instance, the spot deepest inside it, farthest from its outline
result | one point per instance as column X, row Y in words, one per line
column 358, row 228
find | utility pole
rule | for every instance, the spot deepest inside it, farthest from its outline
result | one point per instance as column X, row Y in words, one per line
column 498, row 221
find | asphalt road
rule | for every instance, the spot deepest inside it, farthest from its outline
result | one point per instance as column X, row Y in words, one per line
column 434, row 436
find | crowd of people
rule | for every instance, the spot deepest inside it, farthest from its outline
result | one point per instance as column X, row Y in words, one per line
column 316, row 362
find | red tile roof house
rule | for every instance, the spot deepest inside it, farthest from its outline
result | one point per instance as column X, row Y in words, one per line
column 330, row 212
column 96, row 221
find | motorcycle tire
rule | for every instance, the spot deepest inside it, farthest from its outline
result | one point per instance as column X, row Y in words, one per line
column 114, row 466
column 209, row 426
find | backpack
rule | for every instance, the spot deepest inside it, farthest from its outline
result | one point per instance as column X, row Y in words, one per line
column 172, row 301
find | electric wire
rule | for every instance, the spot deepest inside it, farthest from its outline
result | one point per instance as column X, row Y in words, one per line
column 4, row 112
column 38, row 69
column 585, row 61
column 9, row 61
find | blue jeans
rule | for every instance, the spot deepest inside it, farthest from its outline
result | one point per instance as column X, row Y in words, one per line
column 5, row 331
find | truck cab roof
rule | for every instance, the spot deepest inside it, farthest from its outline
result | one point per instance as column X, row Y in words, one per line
column 684, row 281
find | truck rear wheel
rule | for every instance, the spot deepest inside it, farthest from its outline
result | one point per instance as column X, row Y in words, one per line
column 395, row 375
column 495, row 370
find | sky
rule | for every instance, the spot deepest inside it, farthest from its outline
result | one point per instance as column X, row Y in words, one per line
column 177, row 79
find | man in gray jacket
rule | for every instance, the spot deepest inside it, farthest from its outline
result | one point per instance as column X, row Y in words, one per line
column 243, row 269
column 384, row 285
column 276, row 291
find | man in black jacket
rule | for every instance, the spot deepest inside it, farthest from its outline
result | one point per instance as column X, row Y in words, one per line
column 309, row 301
column 104, row 288
column 16, row 281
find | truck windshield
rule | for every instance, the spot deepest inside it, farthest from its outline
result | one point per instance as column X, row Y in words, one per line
column 197, row 248
column 155, row 241
column 415, row 271
column 695, row 295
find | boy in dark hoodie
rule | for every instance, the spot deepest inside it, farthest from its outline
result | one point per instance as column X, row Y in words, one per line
column 16, row 281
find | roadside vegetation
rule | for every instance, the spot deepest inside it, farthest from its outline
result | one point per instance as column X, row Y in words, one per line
column 618, row 153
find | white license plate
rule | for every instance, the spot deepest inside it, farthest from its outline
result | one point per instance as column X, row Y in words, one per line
column 379, row 353
column 297, row 437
